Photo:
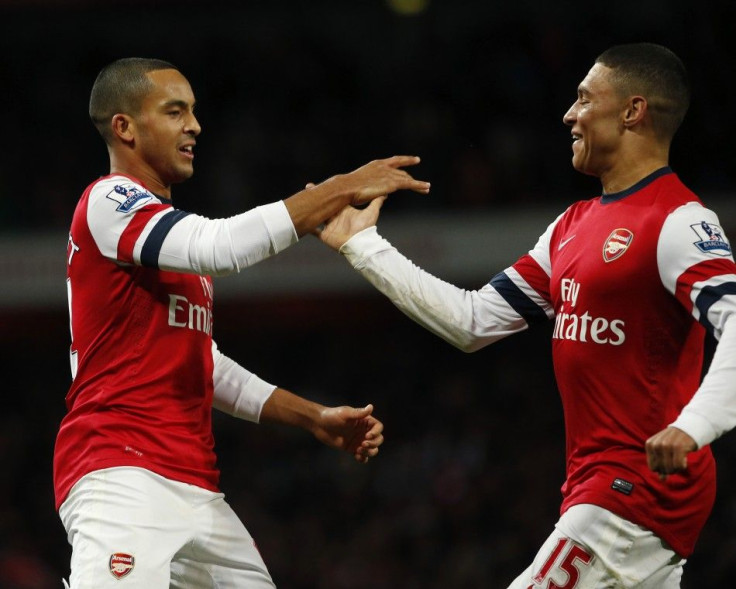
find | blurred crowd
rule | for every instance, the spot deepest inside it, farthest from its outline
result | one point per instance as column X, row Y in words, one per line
column 292, row 92
column 467, row 484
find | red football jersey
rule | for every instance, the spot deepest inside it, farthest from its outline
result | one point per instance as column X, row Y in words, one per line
column 141, row 351
column 627, row 353
column 632, row 281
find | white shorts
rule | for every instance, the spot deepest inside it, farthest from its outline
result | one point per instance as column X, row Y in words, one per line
column 131, row 528
column 592, row 548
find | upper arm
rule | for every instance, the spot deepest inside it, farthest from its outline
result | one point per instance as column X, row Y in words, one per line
column 696, row 265
column 128, row 223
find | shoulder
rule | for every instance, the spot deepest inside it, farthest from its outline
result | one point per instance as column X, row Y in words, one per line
column 698, row 226
column 121, row 193
column 672, row 193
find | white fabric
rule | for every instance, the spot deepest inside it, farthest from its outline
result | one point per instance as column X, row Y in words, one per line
column 624, row 555
column 712, row 410
column 238, row 392
column 222, row 246
column 676, row 251
column 179, row 535
column 540, row 251
column 194, row 244
column 468, row 320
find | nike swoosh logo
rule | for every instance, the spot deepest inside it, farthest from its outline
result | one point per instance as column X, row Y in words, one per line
column 565, row 242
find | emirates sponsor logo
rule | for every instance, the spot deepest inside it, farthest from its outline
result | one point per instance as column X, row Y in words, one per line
column 584, row 327
column 121, row 564
column 617, row 244
column 183, row 313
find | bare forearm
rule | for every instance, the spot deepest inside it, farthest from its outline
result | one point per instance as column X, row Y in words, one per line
column 286, row 408
column 313, row 206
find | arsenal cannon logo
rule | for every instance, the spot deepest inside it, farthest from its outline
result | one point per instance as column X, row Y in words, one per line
column 617, row 244
column 121, row 564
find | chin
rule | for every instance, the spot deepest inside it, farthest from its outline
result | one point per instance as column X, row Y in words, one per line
column 182, row 175
column 583, row 168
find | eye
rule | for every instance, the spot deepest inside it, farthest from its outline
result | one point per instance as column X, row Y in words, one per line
column 174, row 113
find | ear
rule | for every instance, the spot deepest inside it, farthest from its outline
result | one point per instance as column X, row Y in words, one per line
column 123, row 127
column 634, row 112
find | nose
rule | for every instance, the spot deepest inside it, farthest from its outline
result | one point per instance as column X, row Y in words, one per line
column 570, row 116
column 192, row 126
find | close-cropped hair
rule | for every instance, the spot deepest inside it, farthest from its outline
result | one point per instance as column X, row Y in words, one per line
column 120, row 87
column 657, row 74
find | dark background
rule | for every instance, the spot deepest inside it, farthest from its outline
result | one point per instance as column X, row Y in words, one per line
column 467, row 484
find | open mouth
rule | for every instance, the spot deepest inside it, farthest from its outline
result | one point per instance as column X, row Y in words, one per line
column 187, row 151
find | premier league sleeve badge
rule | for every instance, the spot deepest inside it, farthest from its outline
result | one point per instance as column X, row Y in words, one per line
column 710, row 239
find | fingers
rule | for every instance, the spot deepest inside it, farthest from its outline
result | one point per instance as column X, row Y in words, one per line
column 400, row 161
column 368, row 449
column 405, row 180
column 372, row 438
column 416, row 185
column 376, row 204
column 667, row 451
column 363, row 411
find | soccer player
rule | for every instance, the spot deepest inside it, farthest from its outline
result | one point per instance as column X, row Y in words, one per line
column 633, row 280
column 135, row 473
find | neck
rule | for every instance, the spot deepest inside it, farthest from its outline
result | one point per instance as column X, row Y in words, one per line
column 140, row 170
column 631, row 168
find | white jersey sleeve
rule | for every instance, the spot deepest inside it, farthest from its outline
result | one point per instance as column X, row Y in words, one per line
column 131, row 225
column 696, row 265
column 466, row 319
column 238, row 392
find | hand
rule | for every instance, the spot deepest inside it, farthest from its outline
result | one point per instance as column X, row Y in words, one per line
column 381, row 177
column 354, row 430
column 348, row 222
column 313, row 206
column 667, row 451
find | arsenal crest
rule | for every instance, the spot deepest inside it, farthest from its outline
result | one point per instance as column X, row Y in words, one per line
column 617, row 244
column 121, row 564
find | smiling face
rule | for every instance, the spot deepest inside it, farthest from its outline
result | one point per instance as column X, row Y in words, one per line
column 596, row 121
column 166, row 128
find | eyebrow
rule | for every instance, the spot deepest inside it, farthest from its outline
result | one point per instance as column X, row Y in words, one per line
column 178, row 103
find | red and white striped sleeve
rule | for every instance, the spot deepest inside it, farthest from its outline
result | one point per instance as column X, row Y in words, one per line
column 133, row 226
column 696, row 265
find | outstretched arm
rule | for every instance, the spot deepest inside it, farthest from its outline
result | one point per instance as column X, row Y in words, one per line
column 466, row 319
column 131, row 225
column 354, row 430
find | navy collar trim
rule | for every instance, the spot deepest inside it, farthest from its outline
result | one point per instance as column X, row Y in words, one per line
column 614, row 196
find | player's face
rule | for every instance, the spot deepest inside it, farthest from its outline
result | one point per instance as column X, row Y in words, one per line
column 166, row 127
column 595, row 118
